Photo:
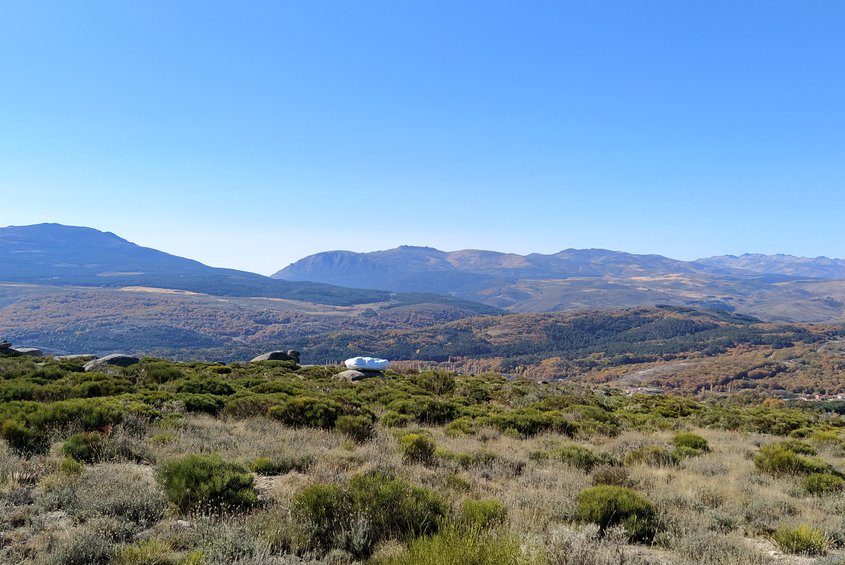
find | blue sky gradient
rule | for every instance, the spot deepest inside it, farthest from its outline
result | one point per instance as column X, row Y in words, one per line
column 251, row 134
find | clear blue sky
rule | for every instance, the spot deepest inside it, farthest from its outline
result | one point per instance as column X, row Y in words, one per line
column 250, row 134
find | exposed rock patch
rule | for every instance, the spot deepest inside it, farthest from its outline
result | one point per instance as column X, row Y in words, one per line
column 354, row 375
column 113, row 360
column 289, row 355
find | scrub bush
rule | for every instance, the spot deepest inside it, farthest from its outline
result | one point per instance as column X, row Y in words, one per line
column 356, row 515
column 85, row 446
column 607, row 506
column 823, row 483
column 803, row 539
column 781, row 459
column 200, row 480
column 653, row 455
column 417, row 447
column 306, row 411
column 484, row 513
column 358, row 428
column 691, row 441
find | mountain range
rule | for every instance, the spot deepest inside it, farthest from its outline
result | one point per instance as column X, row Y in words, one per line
column 80, row 290
column 772, row 287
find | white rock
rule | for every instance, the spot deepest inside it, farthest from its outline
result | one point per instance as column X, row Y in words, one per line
column 372, row 363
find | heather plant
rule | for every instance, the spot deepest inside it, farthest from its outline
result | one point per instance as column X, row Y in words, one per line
column 417, row 447
column 803, row 539
column 653, row 455
column 454, row 545
column 200, row 480
column 84, row 446
column 692, row 442
column 607, row 506
column 307, row 411
column 576, row 456
column 483, row 513
column 279, row 465
column 365, row 510
column 782, row 459
column 359, row 428
column 820, row 484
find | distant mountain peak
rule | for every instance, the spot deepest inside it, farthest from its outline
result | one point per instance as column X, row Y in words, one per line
column 780, row 264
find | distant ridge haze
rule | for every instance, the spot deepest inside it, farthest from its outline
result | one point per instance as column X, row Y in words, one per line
column 775, row 287
column 770, row 287
column 340, row 267
column 55, row 254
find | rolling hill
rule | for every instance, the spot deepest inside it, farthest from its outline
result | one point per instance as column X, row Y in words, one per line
column 78, row 290
column 59, row 255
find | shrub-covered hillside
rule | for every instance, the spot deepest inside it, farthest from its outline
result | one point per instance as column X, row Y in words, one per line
column 168, row 462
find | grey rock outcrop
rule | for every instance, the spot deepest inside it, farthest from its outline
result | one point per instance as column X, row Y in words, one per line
column 289, row 355
column 77, row 357
column 113, row 360
column 355, row 375
column 7, row 349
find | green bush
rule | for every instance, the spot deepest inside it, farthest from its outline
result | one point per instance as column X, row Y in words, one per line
column 435, row 382
column 202, row 403
column 417, row 447
column 823, row 483
column 393, row 419
column 306, row 411
column 780, row 459
column 454, row 545
column 803, row 539
column 85, row 446
column 607, row 506
column 211, row 386
column 356, row 515
column 250, row 405
column 358, row 428
column 825, row 437
column 22, row 438
column 159, row 371
column 472, row 459
column 530, row 421
column 265, row 466
column 150, row 552
column 691, row 441
column 653, row 455
column 71, row 467
column 280, row 465
column 434, row 410
column 579, row 457
column 461, row 426
column 799, row 447
column 199, row 480
column 484, row 513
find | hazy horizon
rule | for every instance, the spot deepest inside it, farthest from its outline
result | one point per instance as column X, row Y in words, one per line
column 250, row 136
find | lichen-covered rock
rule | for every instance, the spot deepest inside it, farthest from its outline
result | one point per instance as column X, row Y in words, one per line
column 113, row 360
column 77, row 357
column 289, row 355
column 355, row 375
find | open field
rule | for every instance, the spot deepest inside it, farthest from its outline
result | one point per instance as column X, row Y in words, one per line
column 425, row 467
